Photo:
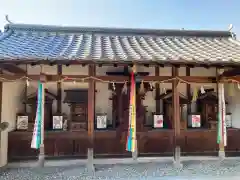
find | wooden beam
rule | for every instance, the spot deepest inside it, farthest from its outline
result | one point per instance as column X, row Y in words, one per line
column 168, row 62
column 157, row 91
column 59, row 90
column 234, row 79
column 1, row 104
column 221, row 144
column 188, row 73
column 91, row 103
column 230, row 72
column 91, row 116
column 79, row 78
column 176, row 116
column 25, row 92
column 12, row 68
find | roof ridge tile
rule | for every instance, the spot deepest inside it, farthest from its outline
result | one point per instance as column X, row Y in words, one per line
column 5, row 34
column 126, row 31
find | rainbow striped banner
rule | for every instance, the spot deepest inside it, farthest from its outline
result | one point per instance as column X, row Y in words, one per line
column 37, row 138
column 131, row 139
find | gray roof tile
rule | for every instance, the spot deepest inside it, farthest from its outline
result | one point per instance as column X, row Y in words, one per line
column 39, row 42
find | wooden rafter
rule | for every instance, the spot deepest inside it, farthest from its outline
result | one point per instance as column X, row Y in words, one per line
column 12, row 68
column 230, row 73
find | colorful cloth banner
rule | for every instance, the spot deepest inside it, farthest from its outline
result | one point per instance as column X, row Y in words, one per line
column 222, row 131
column 131, row 139
column 37, row 137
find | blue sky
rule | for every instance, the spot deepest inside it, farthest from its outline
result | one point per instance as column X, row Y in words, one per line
column 159, row 14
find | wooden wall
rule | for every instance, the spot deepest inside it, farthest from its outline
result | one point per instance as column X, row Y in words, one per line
column 111, row 144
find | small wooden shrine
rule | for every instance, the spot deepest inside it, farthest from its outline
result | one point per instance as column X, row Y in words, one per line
column 31, row 102
column 78, row 102
column 167, row 109
column 207, row 106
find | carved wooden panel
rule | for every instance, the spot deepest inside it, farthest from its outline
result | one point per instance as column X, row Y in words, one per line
column 64, row 147
column 233, row 145
column 58, row 144
column 200, row 141
column 20, row 149
column 80, row 147
column 157, row 143
column 78, row 126
column 49, row 147
column 78, row 117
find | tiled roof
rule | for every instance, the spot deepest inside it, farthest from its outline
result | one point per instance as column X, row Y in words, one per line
column 38, row 42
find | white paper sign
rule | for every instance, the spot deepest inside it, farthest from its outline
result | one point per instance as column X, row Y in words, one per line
column 158, row 121
column 22, row 122
column 228, row 120
column 196, row 121
column 57, row 122
column 101, row 122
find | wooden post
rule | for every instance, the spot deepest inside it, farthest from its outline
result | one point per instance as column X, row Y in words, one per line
column 157, row 91
column 91, row 115
column 26, row 93
column 59, row 91
column 188, row 91
column 176, row 118
column 189, row 110
column 221, row 151
column 1, row 89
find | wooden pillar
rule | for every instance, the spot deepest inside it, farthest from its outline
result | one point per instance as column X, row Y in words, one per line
column 91, row 116
column 188, row 70
column 176, row 117
column 221, row 151
column 1, row 89
column 157, row 91
column 25, row 92
column 59, row 91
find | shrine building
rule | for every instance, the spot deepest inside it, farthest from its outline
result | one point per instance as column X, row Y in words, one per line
column 86, row 75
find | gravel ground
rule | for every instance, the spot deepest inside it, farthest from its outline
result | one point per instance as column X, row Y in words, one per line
column 194, row 170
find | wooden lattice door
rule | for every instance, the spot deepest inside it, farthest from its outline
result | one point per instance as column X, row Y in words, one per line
column 121, row 110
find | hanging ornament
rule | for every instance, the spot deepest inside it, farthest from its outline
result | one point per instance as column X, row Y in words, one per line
column 151, row 85
column 202, row 90
column 163, row 88
column 142, row 89
column 27, row 82
column 124, row 89
column 231, row 89
column 195, row 95
column 113, row 85
column 134, row 69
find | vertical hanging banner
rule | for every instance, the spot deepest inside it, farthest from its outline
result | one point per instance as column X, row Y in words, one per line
column 131, row 139
column 219, row 133
column 38, row 126
column 224, row 128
